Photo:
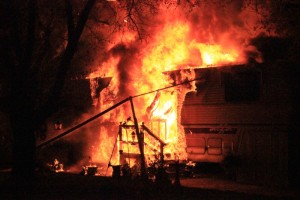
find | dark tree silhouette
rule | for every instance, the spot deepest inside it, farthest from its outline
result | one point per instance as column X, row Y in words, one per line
column 39, row 40
column 26, row 40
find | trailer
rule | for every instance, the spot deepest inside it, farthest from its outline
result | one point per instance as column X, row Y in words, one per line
column 241, row 113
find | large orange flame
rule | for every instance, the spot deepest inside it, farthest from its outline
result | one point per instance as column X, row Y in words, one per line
column 138, row 68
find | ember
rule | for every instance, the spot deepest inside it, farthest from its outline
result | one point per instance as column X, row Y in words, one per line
column 56, row 166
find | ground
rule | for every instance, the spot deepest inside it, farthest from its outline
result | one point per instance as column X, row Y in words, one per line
column 74, row 186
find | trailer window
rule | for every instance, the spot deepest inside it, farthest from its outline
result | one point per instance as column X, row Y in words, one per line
column 214, row 146
column 241, row 85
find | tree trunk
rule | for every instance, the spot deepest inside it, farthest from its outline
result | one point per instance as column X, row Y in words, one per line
column 24, row 117
column 24, row 146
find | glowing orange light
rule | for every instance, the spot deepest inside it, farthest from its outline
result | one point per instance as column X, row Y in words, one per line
column 170, row 49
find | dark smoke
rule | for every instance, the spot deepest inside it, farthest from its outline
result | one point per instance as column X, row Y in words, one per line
column 127, row 67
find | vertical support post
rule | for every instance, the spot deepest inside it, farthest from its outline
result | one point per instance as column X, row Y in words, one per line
column 140, row 141
column 165, row 130
column 161, row 155
column 177, row 174
column 159, row 131
column 120, row 136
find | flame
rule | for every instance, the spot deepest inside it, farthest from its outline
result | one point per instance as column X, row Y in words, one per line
column 137, row 68
column 216, row 54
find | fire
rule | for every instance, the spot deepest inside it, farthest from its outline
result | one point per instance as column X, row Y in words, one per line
column 215, row 54
column 138, row 69
column 170, row 48
column 173, row 47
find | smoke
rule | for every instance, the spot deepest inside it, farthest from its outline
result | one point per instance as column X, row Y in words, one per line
column 128, row 62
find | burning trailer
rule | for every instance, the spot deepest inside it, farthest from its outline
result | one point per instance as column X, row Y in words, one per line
column 220, row 119
column 160, row 139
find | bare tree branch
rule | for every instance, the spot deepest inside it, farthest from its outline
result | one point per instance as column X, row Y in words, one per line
column 27, row 58
column 64, row 65
column 70, row 18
